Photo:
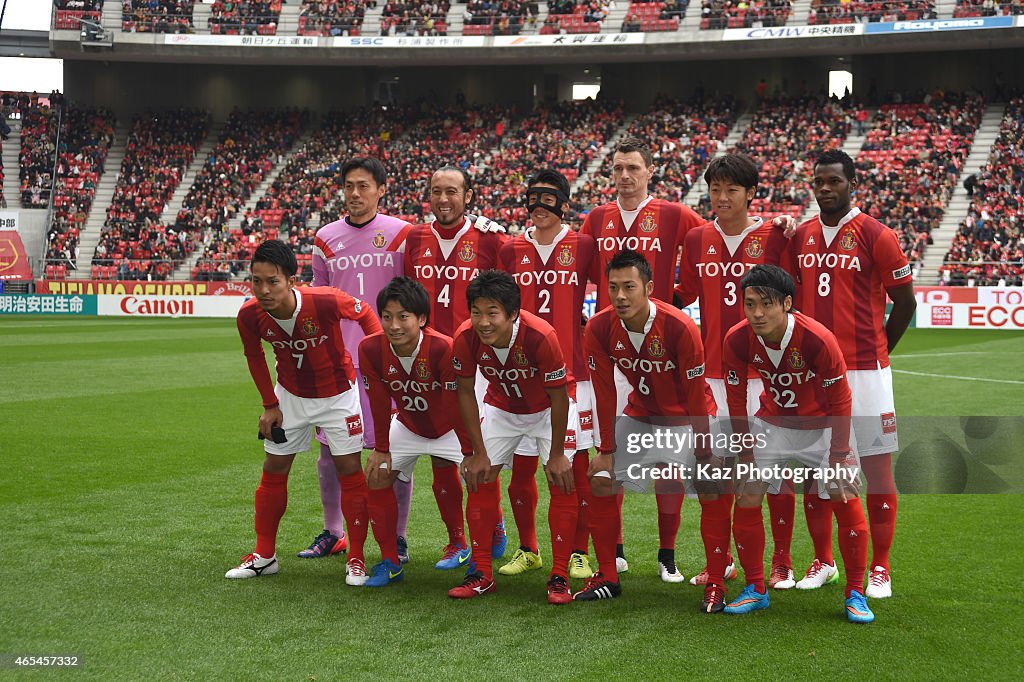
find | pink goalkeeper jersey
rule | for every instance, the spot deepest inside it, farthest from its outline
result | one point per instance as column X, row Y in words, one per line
column 359, row 261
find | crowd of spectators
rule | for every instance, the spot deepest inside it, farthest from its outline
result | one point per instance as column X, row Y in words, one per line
column 988, row 8
column 910, row 162
column 498, row 17
column 865, row 11
column 719, row 14
column 575, row 16
column 332, row 17
column 415, row 17
column 987, row 249
column 246, row 17
column 157, row 16
column 645, row 16
column 159, row 150
column 68, row 12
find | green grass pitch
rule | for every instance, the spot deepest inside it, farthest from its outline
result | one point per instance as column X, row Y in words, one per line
column 129, row 461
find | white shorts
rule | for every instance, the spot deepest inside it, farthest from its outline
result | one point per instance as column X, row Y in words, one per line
column 755, row 387
column 505, row 432
column 584, row 434
column 634, row 469
column 408, row 446
column 874, row 411
column 808, row 447
column 338, row 417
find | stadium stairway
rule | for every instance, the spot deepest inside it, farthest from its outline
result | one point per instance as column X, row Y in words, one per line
column 594, row 167
column 691, row 22
column 201, row 18
column 170, row 213
column 112, row 15
column 945, row 8
column 455, row 17
column 616, row 15
column 288, row 25
column 371, row 20
column 798, row 15
column 90, row 235
column 700, row 188
column 956, row 207
column 11, row 149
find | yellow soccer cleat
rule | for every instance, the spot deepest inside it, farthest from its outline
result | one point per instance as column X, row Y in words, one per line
column 579, row 566
column 522, row 561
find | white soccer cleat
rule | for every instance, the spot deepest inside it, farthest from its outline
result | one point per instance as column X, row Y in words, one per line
column 879, row 584
column 355, row 573
column 702, row 577
column 818, row 574
column 621, row 565
column 254, row 566
column 670, row 573
column 781, row 577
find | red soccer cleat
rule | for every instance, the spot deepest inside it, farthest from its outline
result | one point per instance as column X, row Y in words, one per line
column 558, row 590
column 474, row 585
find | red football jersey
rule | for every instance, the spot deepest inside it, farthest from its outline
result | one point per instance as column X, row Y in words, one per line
column 445, row 262
column 805, row 382
column 666, row 372
column 711, row 272
column 424, row 395
column 312, row 361
column 657, row 233
column 553, row 283
column 842, row 284
column 534, row 364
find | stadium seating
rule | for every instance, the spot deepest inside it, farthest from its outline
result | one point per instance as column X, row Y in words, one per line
column 574, row 16
column 415, row 17
column 987, row 249
column 720, row 14
column 157, row 16
column 862, row 11
column 647, row 16
column 331, row 17
column 68, row 12
column 256, row 17
column 988, row 8
column 910, row 161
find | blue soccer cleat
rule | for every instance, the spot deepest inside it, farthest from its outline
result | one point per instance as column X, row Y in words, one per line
column 385, row 573
column 749, row 600
column 857, row 609
column 454, row 557
column 499, row 541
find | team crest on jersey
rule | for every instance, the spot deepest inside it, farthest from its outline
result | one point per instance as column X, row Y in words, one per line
column 796, row 361
column 655, row 347
column 309, row 326
column 378, row 239
column 647, row 223
column 848, row 241
column 466, row 252
column 519, row 357
column 565, row 257
column 754, row 248
column 422, row 371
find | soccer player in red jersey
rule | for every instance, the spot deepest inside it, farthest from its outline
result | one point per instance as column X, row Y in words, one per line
column 528, row 396
column 412, row 365
column 551, row 264
column 846, row 263
column 659, row 351
column 315, row 387
column 804, row 415
column 716, row 255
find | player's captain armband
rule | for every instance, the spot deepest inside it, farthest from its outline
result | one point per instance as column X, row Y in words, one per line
column 828, row 382
column 902, row 272
column 695, row 372
column 485, row 225
column 450, row 385
column 556, row 375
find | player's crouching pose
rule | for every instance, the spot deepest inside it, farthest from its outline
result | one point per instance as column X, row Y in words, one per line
column 412, row 364
column 315, row 387
column 804, row 415
column 528, row 396
column 659, row 351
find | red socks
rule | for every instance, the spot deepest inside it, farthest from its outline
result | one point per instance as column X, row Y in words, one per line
column 853, row 542
column 605, row 529
column 580, row 464
column 882, row 504
column 562, row 514
column 819, row 524
column 383, row 508
column 483, row 510
column 522, row 495
column 271, row 501
column 781, row 513
column 715, row 521
column 748, row 529
column 620, row 497
column 669, row 496
column 354, row 507
column 448, row 494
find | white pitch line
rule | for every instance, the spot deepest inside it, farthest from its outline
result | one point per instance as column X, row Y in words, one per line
column 943, row 355
column 953, row 376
